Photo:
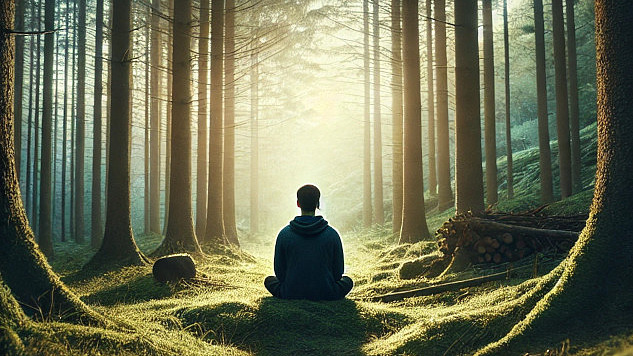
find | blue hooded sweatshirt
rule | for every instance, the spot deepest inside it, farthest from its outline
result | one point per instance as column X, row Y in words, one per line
column 309, row 259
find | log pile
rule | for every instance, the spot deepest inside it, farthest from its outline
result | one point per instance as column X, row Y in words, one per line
column 498, row 238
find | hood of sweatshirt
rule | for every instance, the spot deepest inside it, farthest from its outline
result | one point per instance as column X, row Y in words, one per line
column 308, row 225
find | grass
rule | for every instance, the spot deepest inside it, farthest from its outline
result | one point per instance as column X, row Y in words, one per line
column 229, row 312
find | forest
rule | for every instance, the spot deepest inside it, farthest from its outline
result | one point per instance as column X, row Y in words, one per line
column 472, row 158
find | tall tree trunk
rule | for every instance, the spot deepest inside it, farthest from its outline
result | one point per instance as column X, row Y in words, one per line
column 379, row 211
column 73, row 141
column 97, row 226
column 80, row 123
column 367, row 208
column 444, row 191
column 468, row 172
column 19, row 81
column 65, row 128
column 490, row 135
column 118, row 246
column 146, row 149
column 203, row 120
column 36, row 130
column 215, row 223
column 228, row 191
column 46, row 228
column 574, row 120
column 396, row 104
column 180, row 234
column 574, row 306
column 430, row 99
column 506, row 52
column 155, row 85
column 28, row 189
column 168, row 134
column 23, row 267
column 254, row 201
column 545, row 159
column 562, row 108
column 414, row 227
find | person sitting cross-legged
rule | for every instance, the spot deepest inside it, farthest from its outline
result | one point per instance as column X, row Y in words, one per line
column 308, row 256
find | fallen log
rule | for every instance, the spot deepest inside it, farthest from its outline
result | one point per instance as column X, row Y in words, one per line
column 444, row 287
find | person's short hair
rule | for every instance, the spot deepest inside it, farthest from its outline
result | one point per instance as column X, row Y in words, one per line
column 308, row 197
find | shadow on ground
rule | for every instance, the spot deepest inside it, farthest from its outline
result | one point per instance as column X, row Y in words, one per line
column 283, row 327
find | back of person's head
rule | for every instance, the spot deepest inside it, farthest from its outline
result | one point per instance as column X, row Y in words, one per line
column 308, row 197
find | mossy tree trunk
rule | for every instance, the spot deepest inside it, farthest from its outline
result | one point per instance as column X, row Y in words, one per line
column 469, row 195
column 595, row 288
column 180, row 235
column 396, row 104
column 215, row 222
column 444, row 190
column 414, row 226
column 545, row 158
column 23, row 267
column 118, row 245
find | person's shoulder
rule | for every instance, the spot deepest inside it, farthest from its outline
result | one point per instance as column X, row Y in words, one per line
column 333, row 232
column 284, row 232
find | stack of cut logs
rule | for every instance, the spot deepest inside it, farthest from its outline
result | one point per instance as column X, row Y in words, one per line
column 497, row 238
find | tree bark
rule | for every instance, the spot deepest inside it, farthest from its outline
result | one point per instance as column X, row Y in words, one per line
column 254, row 181
column 80, row 124
column 45, row 226
column 414, row 227
column 215, row 222
column 379, row 212
column 36, row 128
column 468, row 171
column 65, row 130
column 22, row 266
column 593, row 260
column 203, row 120
column 490, row 135
column 180, row 234
column 506, row 52
column 228, row 182
column 367, row 206
column 168, row 133
column 574, row 120
column 118, row 246
column 444, row 190
column 97, row 224
column 562, row 107
column 19, row 81
column 397, row 107
column 545, row 159
column 430, row 99
column 155, row 92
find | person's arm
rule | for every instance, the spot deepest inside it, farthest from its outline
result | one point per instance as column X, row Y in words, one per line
column 338, row 260
column 279, row 260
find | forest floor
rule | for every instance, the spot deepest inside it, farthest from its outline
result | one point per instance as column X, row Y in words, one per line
column 227, row 310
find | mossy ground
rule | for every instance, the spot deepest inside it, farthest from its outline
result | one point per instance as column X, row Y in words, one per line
column 227, row 311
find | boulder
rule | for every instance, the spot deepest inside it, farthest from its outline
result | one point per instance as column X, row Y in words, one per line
column 173, row 268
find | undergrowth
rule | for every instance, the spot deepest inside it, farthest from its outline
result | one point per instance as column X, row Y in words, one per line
column 227, row 311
